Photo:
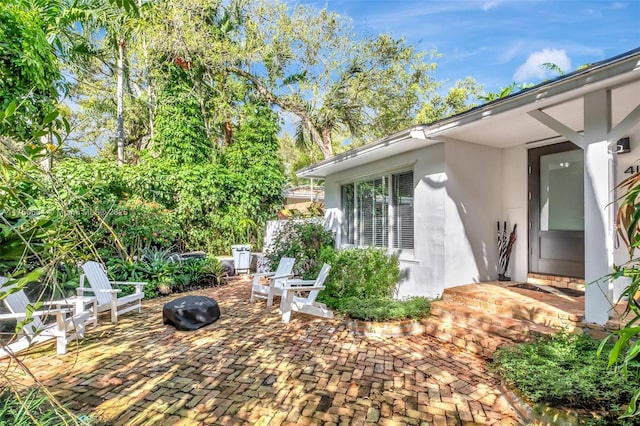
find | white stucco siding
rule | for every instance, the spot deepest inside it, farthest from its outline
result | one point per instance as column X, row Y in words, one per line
column 472, row 207
column 515, row 209
column 429, row 211
column 424, row 268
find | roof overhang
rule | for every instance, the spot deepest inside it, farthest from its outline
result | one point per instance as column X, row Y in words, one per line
column 507, row 122
column 403, row 141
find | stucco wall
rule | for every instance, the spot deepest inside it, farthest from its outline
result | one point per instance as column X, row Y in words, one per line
column 424, row 268
column 515, row 207
column 457, row 201
column 472, row 207
column 624, row 164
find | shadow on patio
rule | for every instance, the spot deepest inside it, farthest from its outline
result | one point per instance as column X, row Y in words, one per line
column 248, row 368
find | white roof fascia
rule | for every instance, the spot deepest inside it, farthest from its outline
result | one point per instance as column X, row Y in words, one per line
column 332, row 165
column 586, row 79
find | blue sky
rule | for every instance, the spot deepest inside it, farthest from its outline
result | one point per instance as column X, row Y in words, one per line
column 500, row 41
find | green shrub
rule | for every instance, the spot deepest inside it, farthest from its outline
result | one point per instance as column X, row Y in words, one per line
column 566, row 371
column 160, row 266
column 139, row 223
column 303, row 241
column 385, row 309
column 362, row 273
column 34, row 405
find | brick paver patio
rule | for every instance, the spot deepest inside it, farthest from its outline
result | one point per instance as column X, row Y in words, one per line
column 248, row 368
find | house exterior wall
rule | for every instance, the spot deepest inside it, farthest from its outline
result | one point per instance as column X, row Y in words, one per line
column 516, row 207
column 457, row 201
column 460, row 191
column 624, row 165
column 473, row 205
column 423, row 269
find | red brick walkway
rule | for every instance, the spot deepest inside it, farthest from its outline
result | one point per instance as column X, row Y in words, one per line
column 248, row 368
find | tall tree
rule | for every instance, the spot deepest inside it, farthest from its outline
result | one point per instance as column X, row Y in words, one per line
column 29, row 68
column 111, row 29
column 305, row 61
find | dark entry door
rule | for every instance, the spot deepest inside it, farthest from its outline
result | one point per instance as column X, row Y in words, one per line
column 556, row 210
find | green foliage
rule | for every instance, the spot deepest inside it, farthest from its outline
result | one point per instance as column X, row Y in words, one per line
column 158, row 266
column 304, row 241
column 139, row 223
column 566, row 371
column 194, row 207
column 180, row 135
column 458, row 99
column 28, row 69
column 623, row 355
column 361, row 273
column 335, row 84
column 34, row 408
column 386, row 309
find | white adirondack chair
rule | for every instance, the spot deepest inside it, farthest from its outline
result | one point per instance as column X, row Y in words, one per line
column 293, row 301
column 107, row 296
column 66, row 328
column 276, row 281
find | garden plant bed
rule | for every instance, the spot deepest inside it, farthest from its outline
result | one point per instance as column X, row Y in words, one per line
column 406, row 327
column 541, row 414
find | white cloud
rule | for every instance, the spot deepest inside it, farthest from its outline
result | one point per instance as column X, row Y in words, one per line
column 532, row 70
column 490, row 4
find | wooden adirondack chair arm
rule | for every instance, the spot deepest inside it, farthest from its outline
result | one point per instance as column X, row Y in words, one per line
column 35, row 314
column 300, row 282
column 303, row 287
column 262, row 274
column 136, row 283
column 81, row 290
column 277, row 277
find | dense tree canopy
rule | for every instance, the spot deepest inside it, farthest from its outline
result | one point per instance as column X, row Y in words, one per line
column 304, row 61
column 29, row 68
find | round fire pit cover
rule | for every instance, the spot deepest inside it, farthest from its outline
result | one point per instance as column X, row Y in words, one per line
column 190, row 312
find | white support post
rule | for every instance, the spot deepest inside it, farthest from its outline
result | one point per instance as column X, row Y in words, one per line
column 598, row 256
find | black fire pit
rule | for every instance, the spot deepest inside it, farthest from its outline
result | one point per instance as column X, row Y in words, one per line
column 190, row 312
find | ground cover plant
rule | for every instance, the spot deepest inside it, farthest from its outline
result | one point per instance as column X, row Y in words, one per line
column 35, row 407
column 386, row 309
column 565, row 370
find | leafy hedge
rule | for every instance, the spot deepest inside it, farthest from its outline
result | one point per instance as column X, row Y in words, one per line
column 202, row 207
column 304, row 241
column 361, row 273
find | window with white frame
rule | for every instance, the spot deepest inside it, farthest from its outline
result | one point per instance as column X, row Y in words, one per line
column 378, row 212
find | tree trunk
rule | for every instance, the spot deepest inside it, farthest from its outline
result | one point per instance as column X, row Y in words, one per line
column 147, row 79
column 326, row 142
column 228, row 133
column 120, row 103
column 323, row 142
